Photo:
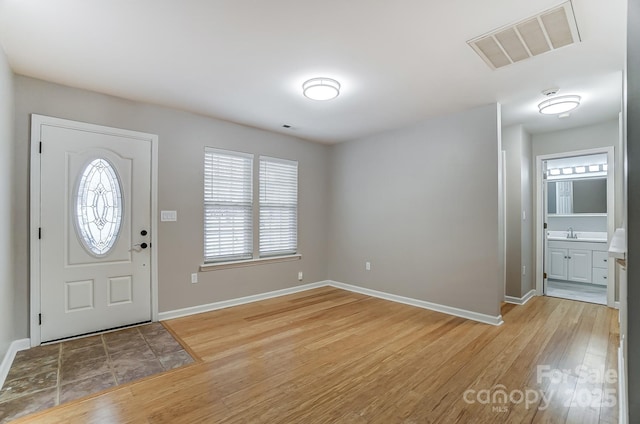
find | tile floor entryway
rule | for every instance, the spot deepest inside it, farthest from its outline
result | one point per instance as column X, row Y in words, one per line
column 577, row 291
column 46, row 376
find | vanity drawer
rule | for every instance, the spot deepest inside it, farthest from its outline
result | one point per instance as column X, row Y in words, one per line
column 600, row 259
column 599, row 276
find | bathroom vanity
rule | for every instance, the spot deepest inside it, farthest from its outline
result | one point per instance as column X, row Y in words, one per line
column 582, row 259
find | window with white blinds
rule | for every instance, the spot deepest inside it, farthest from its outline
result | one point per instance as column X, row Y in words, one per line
column 228, row 205
column 278, row 206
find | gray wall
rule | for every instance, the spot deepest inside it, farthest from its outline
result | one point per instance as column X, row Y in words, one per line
column 182, row 138
column 7, row 333
column 421, row 204
column 405, row 167
column 633, row 217
column 517, row 146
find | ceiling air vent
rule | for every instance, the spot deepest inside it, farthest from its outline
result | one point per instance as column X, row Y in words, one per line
column 530, row 37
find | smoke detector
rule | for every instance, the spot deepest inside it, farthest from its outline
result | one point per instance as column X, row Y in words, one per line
column 550, row 92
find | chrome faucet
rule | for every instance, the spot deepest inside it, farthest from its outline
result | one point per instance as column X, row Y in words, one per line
column 571, row 234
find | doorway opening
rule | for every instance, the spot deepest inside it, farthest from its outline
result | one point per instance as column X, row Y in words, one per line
column 576, row 219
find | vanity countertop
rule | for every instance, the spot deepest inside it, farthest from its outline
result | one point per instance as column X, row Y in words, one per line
column 618, row 246
column 581, row 236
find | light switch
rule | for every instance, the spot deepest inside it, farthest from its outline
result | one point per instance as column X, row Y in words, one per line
column 168, row 215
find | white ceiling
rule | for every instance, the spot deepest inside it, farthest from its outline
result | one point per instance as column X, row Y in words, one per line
column 245, row 60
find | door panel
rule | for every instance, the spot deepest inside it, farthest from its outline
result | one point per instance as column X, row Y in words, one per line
column 95, row 201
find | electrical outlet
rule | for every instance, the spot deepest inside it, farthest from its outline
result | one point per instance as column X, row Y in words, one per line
column 194, row 278
column 300, row 276
column 367, row 266
column 524, row 270
column 524, row 215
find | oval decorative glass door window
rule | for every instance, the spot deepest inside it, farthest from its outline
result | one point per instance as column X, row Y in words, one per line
column 99, row 207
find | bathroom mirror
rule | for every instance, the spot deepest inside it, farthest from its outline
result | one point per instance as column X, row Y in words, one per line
column 577, row 196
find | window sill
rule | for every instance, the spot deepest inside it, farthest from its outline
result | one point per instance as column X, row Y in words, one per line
column 249, row 262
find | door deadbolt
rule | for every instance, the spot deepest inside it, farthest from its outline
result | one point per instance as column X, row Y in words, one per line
column 143, row 233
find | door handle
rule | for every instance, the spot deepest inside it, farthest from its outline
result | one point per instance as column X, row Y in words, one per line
column 138, row 247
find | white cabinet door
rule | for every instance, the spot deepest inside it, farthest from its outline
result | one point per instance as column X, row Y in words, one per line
column 579, row 265
column 557, row 263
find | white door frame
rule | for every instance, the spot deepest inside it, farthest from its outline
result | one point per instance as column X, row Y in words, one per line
column 36, row 122
column 611, row 216
column 503, row 181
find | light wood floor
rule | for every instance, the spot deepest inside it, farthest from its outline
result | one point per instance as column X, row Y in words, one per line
column 331, row 356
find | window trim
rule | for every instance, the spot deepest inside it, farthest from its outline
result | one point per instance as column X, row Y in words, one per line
column 215, row 266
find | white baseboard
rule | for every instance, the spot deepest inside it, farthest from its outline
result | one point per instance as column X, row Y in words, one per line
column 520, row 300
column 463, row 313
column 14, row 347
column 162, row 316
column 487, row 319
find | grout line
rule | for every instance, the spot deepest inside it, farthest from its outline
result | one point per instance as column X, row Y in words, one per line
column 59, row 375
column 109, row 362
column 151, row 349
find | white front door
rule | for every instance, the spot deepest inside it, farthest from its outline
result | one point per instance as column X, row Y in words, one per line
column 95, row 228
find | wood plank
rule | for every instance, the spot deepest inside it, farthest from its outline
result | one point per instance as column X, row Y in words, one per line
column 328, row 355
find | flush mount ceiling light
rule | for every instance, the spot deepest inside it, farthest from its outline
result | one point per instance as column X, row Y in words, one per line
column 321, row 89
column 558, row 105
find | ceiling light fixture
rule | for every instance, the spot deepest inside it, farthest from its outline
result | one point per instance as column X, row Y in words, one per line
column 560, row 104
column 581, row 169
column 321, row 89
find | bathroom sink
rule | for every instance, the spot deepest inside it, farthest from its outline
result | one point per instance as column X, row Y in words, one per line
column 579, row 236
